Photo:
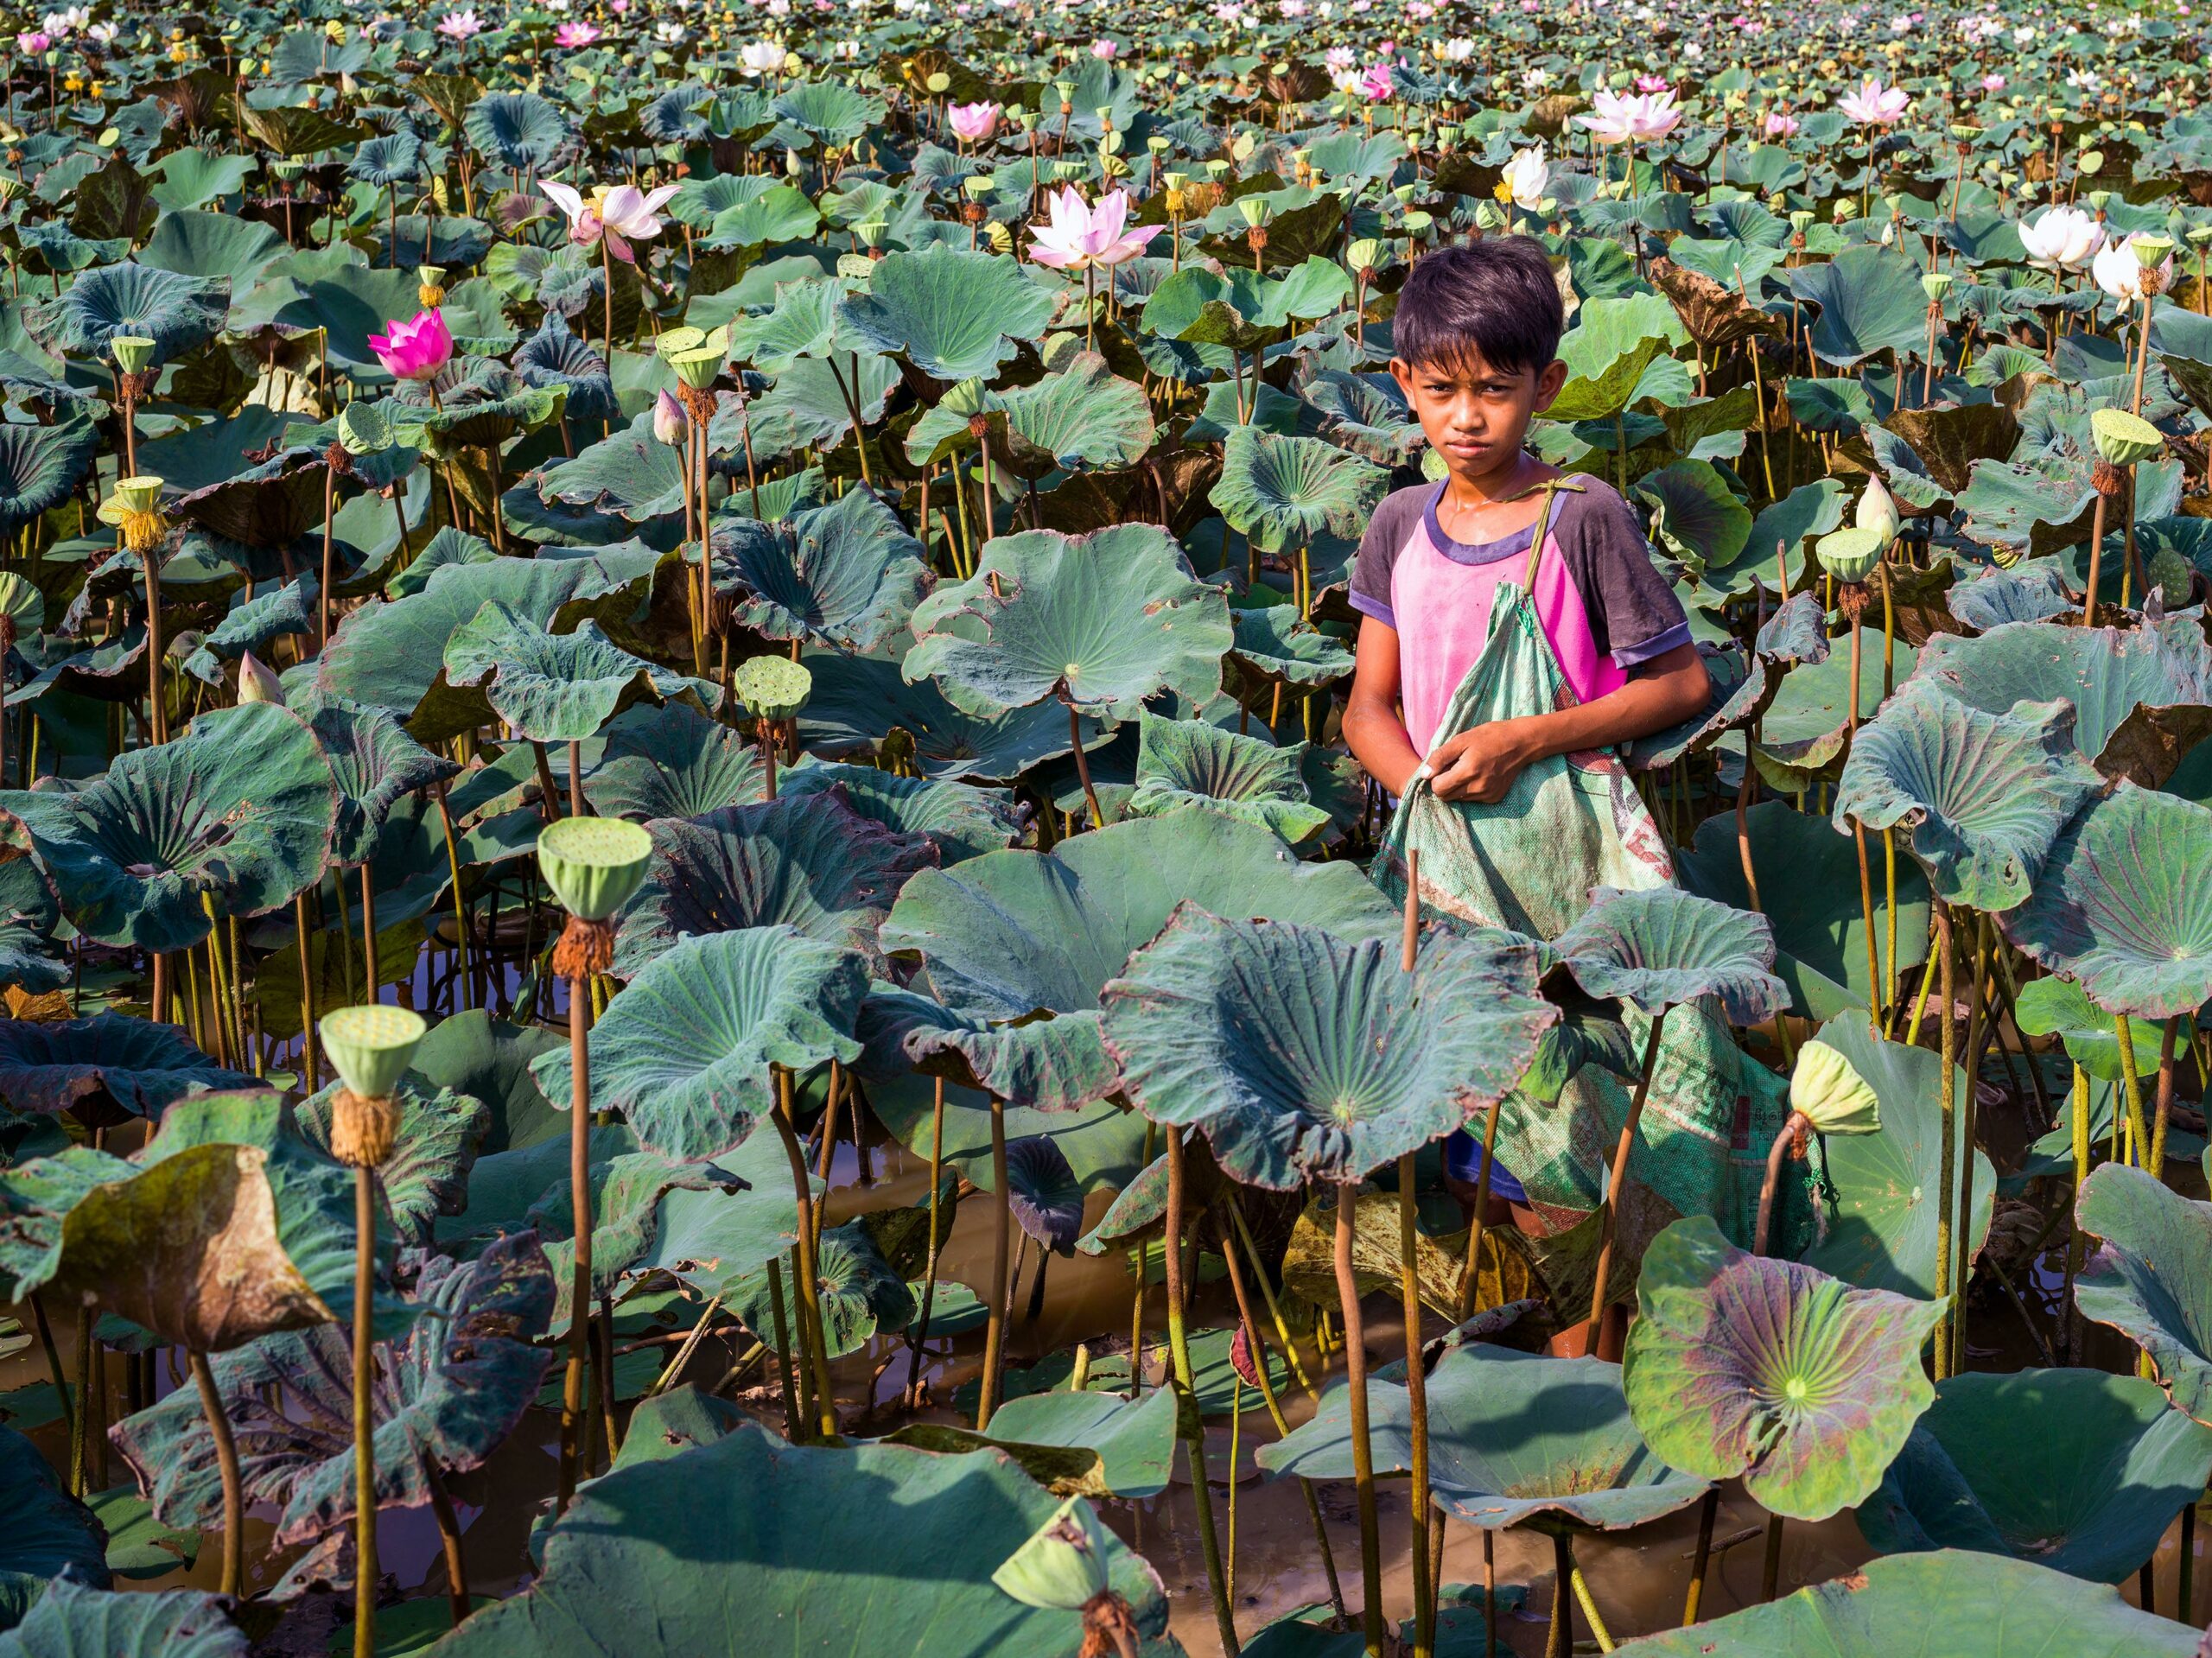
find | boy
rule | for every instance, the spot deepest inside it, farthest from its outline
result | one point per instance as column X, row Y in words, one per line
column 1513, row 626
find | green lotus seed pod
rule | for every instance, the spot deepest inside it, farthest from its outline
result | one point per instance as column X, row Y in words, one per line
column 1801, row 219
column 2090, row 162
column 2200, row 234
column 370, row 1046
column 1063, row 1566
column 2151, row 251
column 1850, row 554
column 363, row 429
column 1364, row 254
column 774, row 688
column 1254, row 211
column 594, row 864
column 979, row 188
column 137, row 494
column 1936, row 284
column 675, row 340
column 134, row 353
column 870, row 233
column 22, row 603
column 1831, row 1094
column 2125, row 440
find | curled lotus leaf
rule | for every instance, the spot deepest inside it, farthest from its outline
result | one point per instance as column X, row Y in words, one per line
column 104, row 1068
column 641, row 1562
column 520, row 131
column 1195, row 763
column 1302, row 1055
column 38, row 466
column 632, row 472
column 1083, row 416
column 425, row 1174
column 177, row 313
column 556, row 358
column 446, row 1395
column 377, row 765
column 684, row 1051
column 1950, row 1604
column 1515, row 1438
column 955, row 315
column 1741, row 1364
column 2031, row 591
column 2120, row 906
column 1275, row 643
column 1091, row 1444
column 2150, row 1278
column 1984, row 795
column 553, row 687
column 964, row 822
column 1043, row 1193
column 32, row 955
column 864, row 708
column 808, row 861
column 2089, row 1492
column 628, row 1189
column 859, row 1293
column 237, row 813
column 75, row 1619
column 1103, row 621
column 1659, row 947
column 49, row 1532
column 674, row 761
column 1807, row 724
column 711, row 1238
column 1870, row 300
column 1282, row 491
column 847, row 574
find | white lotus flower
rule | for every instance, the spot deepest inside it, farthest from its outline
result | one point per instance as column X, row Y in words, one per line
column 2063, row 237
column 1525, row 177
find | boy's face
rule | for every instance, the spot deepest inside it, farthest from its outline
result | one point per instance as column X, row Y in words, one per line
column 1476, row 416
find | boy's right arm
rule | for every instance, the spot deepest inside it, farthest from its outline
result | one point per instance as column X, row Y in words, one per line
column 1373, row 730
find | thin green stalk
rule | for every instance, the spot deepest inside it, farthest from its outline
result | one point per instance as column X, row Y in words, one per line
column 1362, row 1453
column 1945, row 1196
column 1588, row 1602
column 1194, row 1444
column 1618, row 1179
column 572, row 1381
column 226, row 1461
column 1001, row 1223
column 809, row 1302
column 2136, row 1127
column 364, row 1424
column 921, row 1326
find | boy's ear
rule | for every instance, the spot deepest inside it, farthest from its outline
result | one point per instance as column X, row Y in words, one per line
column 1403, row 372
column 1549, row 383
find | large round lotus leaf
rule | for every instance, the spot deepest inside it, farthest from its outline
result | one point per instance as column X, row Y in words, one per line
column 1304, row 1056
column 2120, row 904
column 1614, row 339
column 1043, row 1193
column 1879, row 1232
column 1947, row 1605
column 1103, row 621
column 808, row 862
column 520, row 130
column 1808, row 892
column 38, row 466
column 684, row 1053
column 1870, row 300
column 1091, row 1444
column 1194, row 762
column 956, row 315
column 1984, row 795
column 1660, row 947
column 74, row 1620
column 2077, row 1469
column 628, row 1188
column 194, row 243
column 1740, row 1364
column 426, row 1173
column 1283, row 492
column 665, row 1558
column 1276, row 644
column 448, row 1394
column 2150, row 1277
column 486, row 1060
column 847, row 574
column 556, row 358
column 226, row 1227
column 32, row 957
column 673, row 761
column 1081, row 417
column 1514, row 1438
column 2031, row 591
column 1694, row 514
column 99, row 1067
column 859, row 1293
column 376, row 764
column 548, row 688
column 240, row 810
column 632, row 472
column 1809, row 722
column 711, row 1238
column 48, row 1531
column 964, row 822
column 177, row 313
column 2141, row 695
column 864, row 708
column 1103, row 1143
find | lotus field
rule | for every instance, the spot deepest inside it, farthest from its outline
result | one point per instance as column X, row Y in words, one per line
column 694, row 963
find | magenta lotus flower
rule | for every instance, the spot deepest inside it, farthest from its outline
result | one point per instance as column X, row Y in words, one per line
column 570, row 36
column 416, row 349
column 973, row 122
column 1874, row 104
column 1652, row 84
column 1080, row 237
column 1374, row 84
column 622, row 215
column 32, row 41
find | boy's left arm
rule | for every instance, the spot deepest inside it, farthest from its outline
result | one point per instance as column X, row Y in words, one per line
column 1663, row 692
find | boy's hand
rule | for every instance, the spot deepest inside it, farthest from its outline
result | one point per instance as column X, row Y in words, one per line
column 1480, row 765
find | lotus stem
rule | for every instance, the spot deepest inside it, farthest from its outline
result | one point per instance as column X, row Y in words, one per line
column 1268, row 1293
column 1558, row 1638
column 226, row 1461
column 572, row 1382
column 921, row 1325
column 1178, row 1348
column 371, row 981
column 606, row 274
column 1770, row 1575
column 329, row 563
column 1967, row 1112
column 1708, row 1509
column 1791, row 1136
column 310, row 1068
column 2165, row 1097
column 2074, row 1244
column 1890, row 918
column 2096, row 559
column 674, row 1368
column 80, row 1419
column 809, row 1304
column 1588, row 1602
column 1236, row 1435
column 459, row 904
column 364, row 1424
column 781, row 1319
column 1946, row 1197
column 448, row 1541
column 1001, row 1223
column 1618, row 1179
column 54, row 1364
column 1362, row 1453
column 576, row 807
column 1410, row 1300
column 1082, row 768
column 2185, row 1565
column 1469, row 1286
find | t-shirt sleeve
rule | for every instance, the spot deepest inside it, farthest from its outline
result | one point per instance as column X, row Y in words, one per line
column 1377, row 557
column 1635, row 614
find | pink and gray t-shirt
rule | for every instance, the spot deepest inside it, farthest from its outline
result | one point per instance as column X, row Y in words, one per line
column 1603, row 604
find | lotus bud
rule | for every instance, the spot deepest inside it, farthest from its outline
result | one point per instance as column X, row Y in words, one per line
column 1850, row 554
column 363, row 428
column 1365, row 254
column 1827, row 1091
column 371, row 1047
column 670, row 422
column 1879, row 512
column 258, row 681
column 134, row 353
column 793, row 166
column 430, row 286
column 2125, row 440
column 774, row 688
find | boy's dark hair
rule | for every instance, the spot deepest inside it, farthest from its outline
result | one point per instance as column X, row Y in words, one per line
column 1496, row 297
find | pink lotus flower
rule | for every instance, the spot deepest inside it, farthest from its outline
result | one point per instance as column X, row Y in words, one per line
column 621, row 211
column 570, row 36
column 973, row 122
column 619, row 8
column 1652, row 84
column 1079, row 236
column 1374, row 84
column 1874, row 104
column 1630, row 120
column 1993, row 83
column 1780, row 123
column 33, row 41
column 461, row 25
column 1103, row 50
column 416, row 349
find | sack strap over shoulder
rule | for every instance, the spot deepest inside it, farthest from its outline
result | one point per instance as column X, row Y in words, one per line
column 1550, row 488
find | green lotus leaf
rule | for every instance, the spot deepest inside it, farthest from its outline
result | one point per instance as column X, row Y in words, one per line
column 673, row 761
column 105, row 1068
column 1013, row 934
column 425, row 1174
column 780, row 213
column 520, row 130
column 1880, row 1232
column 1103, row 621
column 711, row 1239
column 2033, row 505
column 2060, row 1007
column 2118, row 906
column 556, row 360
column 1515, row 1438
column 956, row 315
column 2089, row 1492
column 632, row 472
column 446, row 1395
column 858, row 702
column 254, row 625
column 194, row 243
column 611, row 1577
column 2031, row 591
column 139, row 1545
column 75, row 1620
column 859, row 1293
column 1808, row 723
column 377, row 765
column 1344, row 1062
column 1366, row 414
column 1606, row 351
column 1192, row 762
column 847, row 574
column 1741, row 1364
column 1240, row 308
column 1949, row 1603
column 238, row 812
column 1280, row 647
column 1083, row 416
column 628, row 1188
column 1984, row 795
column 177, row 313
column 2142, row 697
column 1661, row 947
column 963, row 822
column 1043, row 1193
column 49, row 1532
column 1283, row 492
column 1130, row 1443
column 808, row 862
column 487, row 1060
column 549, row 687
column 684, row 1053
column 802, row 323
column 1870, row 300
column 832, row 112
column 295, row 130
column 186, row 179
column 2147, row 1278
column 40, row 466
column 31, row 954
column 226, row 1227
column 1694, row 514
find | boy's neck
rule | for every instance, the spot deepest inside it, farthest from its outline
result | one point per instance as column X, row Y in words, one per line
column 1484, row 489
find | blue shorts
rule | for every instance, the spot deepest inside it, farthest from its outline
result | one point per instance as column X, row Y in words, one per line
column 1463, row 1160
